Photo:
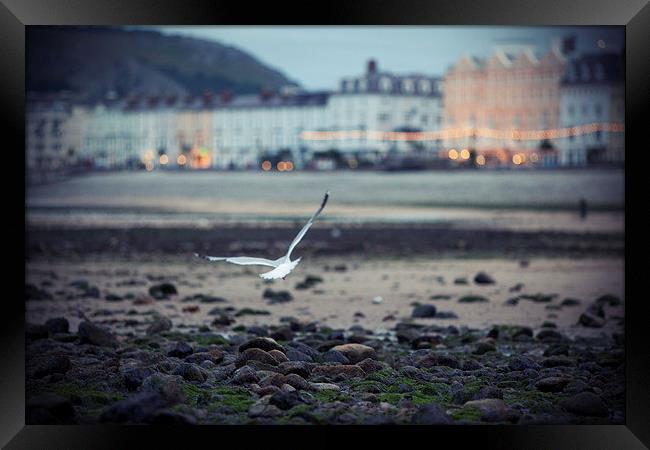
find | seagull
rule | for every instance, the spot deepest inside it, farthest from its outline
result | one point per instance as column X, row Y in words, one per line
column 281, row 266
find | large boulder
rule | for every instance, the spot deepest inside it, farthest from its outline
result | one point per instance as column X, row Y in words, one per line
column 95, row 335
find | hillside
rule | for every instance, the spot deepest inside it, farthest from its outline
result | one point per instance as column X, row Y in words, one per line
column 91, row 61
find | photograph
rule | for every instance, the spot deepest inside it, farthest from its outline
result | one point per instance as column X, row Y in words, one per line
column 325, row 225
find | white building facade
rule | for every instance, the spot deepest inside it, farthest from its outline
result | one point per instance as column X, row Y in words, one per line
column 593, row 93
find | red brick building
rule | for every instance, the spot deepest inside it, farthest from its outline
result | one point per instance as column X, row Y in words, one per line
column 487, row 101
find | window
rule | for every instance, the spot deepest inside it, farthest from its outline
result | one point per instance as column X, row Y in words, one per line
column 425, row 86
column 407, row 85
column 385, row 84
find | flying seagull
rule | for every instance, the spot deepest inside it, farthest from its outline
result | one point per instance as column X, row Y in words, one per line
column 281, row 266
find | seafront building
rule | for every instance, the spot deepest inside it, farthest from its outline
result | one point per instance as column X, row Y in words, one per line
column 514, row 108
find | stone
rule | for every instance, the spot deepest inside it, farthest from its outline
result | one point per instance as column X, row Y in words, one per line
column 549, row 335
column 493, row 410
column 570, row 302
column 138, row 408
column 340, row 372
column 483, row 278
column 424, row 311
column 190, row 372
column 159, row 325
column 585, row 404
column 262, row 343
column 521, row 363
column 301, row 368
column 255, row 354
column 180, row 350
column 214, row 355
column 320, row 387
column 222, row 320
column 488, row 392
column 472, row 299
column 57, row 325
column 446, row 315
column 278, row 356
column 168, row 387
column 277, row 297
column 591, row 321
column 370, row 365
column 609, row 299
column 435, row 359
column 245, row 375
column 285, row 400
column 334, row 356
column 95, row 335
column 296, row 355
column 134, row 376
column 556, row 361
column 355, row 352
column 264, row 410
column 430, row 415
column 297, row 382
column 552, row 384
column 303, row 348
column 484, row 346
column 49, row 364
column 162, row 291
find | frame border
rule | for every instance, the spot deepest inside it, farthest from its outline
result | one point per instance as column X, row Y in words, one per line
column 16, row 14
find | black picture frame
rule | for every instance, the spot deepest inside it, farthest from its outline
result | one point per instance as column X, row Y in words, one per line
column 16, row 14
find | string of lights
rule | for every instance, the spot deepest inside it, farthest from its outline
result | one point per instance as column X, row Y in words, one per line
column 455, row 133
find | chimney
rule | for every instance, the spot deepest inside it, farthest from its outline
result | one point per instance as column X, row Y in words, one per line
column 226, row 95
column 372, row 67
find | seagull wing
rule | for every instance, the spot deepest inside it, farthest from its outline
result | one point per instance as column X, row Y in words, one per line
column 308, row 225
column 241, row 260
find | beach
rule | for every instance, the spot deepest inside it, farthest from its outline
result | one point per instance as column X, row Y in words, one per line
column 401, row 311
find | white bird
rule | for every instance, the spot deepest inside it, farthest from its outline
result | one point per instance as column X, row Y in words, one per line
column 281, row 266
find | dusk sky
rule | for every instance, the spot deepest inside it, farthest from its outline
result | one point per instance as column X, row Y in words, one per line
column 318, row 57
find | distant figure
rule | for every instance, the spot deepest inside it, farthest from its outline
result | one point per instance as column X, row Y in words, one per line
column 583, row 208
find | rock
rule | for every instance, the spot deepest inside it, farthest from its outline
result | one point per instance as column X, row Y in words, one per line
column 301, row 368
column 251, row 312
column 303, row 348
column 520, row 332
column 461, row 280
column 356, row 352
column 483, row 278
column 190, row 372
column 471, row 364
column 49, row 364
column 483, row 346
column 245, row 375
column 191, row 309
column 159, row 325
column 424, row 311
column 263, row 343
column 282, row 334
column 570, row 302
column 274, row 379
column 521, row 363
column 278, row 355
column 335, row 357
column 608, row 299
column 222, row 320
column 168, row 387
column 214, row 355
column 552, row 384
column 297, row 382
column 93, row 334
column 134, row 376
column 57, row 325
column 296, row 355
column 556, row 361
column 591, row 321
column 370, row 365
column 426, row 341
column 430, row 415
column 512, row 301
column 585, row 404
column 255, row 354
column 596, row 310
column 138, row 408
column 446, row 315
column 263, row 410
column 488, row 392
column 48, row 409
column 434, row 359
column 162, row 291
column 180, row 350
column 472, row 299
column 493, row 410
column 377, row 300
column 285, row 400
column 320, row 387
column 341, row 372
column 170, row 417
column 549, row 335
column 277, row 297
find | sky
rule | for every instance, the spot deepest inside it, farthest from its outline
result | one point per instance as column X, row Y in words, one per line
column 318, row 57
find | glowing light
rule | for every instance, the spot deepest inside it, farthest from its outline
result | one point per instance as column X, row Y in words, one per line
column 601, row 43
column 353, row 163
column 148, row 155
column 181, row 160
column 288, row 166
column 453, row 154
column 282, row 166
column 266, row 166
column 464, row 153
column 480, row 160
column 534, row 157
column 164, row 159
column 517, row 159
column 149, row 166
